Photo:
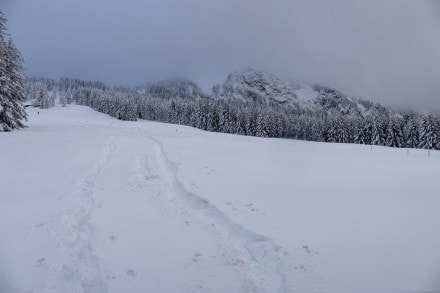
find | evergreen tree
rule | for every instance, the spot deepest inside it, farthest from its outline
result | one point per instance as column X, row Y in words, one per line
column 429, row 137
column 63, row 99
column 12, row 83
column 317, row 130
column 342, row 130
column 364, row 132
column 69, row 96
column 42, row 98
column 338, row 131
column 411, row 131
column 378, row 128
column 394, row 136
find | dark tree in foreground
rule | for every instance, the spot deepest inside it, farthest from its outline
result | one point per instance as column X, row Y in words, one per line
column 12, row 91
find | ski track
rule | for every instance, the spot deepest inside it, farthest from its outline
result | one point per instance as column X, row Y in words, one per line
column 261, row 257
column 83, row 272
column 258, row 256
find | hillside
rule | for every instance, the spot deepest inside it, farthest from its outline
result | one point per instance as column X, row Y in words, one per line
column 265, row 88
column 94, row 204
column 168, row 89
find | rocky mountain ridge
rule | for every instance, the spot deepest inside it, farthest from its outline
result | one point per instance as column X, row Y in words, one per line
column 265, row 88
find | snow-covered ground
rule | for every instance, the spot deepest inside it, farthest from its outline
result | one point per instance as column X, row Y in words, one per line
column 93, row 204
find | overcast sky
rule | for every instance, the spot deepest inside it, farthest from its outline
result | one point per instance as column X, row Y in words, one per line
column 385, row 50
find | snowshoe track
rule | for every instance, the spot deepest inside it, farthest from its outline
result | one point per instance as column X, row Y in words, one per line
column 82, row 273
column 260, row 255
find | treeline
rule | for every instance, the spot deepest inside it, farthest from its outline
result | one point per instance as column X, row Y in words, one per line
column 37, row 92
column 73, row 83
column 405, row 130
column 168, row 89
column 47, row 82
column 377, row 126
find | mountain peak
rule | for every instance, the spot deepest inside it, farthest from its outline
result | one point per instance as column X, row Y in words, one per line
column 258, row 86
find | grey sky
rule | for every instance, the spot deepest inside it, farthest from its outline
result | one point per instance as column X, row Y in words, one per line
column 385, row 50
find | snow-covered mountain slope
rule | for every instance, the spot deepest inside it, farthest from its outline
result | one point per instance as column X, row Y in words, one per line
column 265, row 88
column 93, row 204
column 258, row 86
column 334, row 102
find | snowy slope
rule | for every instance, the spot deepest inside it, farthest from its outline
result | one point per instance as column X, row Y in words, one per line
column 334, row 102
column 305, row 92
column 93, row 204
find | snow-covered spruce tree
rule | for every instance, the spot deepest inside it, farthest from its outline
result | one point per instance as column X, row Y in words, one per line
column 341, row 132
column 411, row 131
column 63, row 99
column 364, row 132
column 394, row 136
column 378, row 127
column 129, row 109
column 52, row 99
column 44, row 101
column 69, row 96
column 12, row 83
column 262, row 127
column 242, row 116
column 437, row 127
column 429, row 136
column 317, row 130
column 40, row 97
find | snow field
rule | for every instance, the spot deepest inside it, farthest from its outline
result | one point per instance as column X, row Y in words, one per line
column 93, row 204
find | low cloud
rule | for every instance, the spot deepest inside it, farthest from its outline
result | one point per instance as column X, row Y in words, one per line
column 388, row 51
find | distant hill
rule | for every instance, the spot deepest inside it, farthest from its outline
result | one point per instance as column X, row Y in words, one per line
column 184, row 89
